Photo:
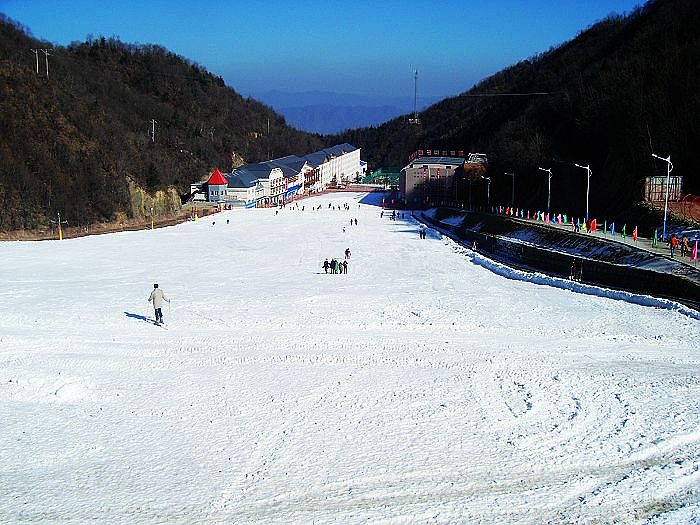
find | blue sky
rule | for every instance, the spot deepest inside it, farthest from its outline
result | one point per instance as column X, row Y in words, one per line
column 350, row 47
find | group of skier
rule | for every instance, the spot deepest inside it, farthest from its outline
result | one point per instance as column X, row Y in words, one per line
column 335, row 266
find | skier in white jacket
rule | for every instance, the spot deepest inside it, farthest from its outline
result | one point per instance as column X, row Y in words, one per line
column 157, row 297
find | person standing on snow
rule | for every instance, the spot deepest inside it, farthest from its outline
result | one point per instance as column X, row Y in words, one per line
column 326, row 264
column 157, row 297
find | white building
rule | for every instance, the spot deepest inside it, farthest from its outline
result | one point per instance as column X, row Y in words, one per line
column 280, row 180
column 338, row 165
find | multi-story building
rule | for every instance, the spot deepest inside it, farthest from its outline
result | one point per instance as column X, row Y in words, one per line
column 279, row 180
column 428, row 181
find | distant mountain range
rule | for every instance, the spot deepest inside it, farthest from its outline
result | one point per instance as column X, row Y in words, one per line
column 329, row 112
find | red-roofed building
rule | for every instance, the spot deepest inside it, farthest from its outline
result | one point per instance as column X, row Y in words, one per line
column 216, row 187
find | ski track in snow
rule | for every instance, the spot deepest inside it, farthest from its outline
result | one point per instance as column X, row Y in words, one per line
column 421, row 387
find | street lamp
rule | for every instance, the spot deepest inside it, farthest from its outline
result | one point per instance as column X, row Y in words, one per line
column 588, row 184
column 512, row 193
column 488, row 192
column 669, row 167
column 549, row 185
column 470, row 193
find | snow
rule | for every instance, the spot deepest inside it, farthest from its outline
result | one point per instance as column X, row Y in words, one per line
column 428, row 385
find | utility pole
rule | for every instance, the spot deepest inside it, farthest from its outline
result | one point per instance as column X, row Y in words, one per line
column 153, row 129
column 36, row 53
column 47, row 55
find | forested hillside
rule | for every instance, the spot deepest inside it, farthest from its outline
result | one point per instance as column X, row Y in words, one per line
column 79, row 142
column 624, row 88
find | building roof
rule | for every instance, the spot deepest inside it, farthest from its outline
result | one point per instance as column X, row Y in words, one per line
column 241, row 178
column 217, row 179
column 316, row 159
column 293, row 161
column 319, row 157
column 287, row 171
column 456, row 161
column 260, row 170
column 340, row 149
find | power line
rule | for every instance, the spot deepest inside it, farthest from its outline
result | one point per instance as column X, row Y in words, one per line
column 534, row 93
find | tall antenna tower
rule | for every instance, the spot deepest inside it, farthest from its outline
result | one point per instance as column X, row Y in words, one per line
column 415, row 119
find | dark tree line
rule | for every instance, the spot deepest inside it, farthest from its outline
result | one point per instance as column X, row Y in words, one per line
column 74, row 142
column 620, row 90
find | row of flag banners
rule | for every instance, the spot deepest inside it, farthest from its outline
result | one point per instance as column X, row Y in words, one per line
column 579, row 225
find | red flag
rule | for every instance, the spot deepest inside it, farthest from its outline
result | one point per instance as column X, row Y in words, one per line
column 634, row 233
column 593, row 225
column 694, row 255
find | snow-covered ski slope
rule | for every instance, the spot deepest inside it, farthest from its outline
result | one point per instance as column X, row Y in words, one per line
column 425, row 386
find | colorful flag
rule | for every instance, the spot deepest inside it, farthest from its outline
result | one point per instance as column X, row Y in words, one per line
column 593, row 225
column 624, row 233
column 655, row 240
column 634, row 233
column 694, row 254
column 612, row 229
column 605, row 228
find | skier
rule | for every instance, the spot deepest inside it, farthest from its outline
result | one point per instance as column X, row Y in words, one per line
column 673, row 243
column 345, row 267
column 326, row 264
column 347, row 253
column 157, row 297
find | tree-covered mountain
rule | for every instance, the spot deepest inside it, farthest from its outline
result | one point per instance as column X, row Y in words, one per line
column 620, row 90
column 80, row 142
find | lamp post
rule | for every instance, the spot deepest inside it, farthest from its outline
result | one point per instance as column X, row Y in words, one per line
column 669, row 167
column 588, row 184
column 549, row 185
column 470, row 193
column 488, row 192
column 512, row 193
